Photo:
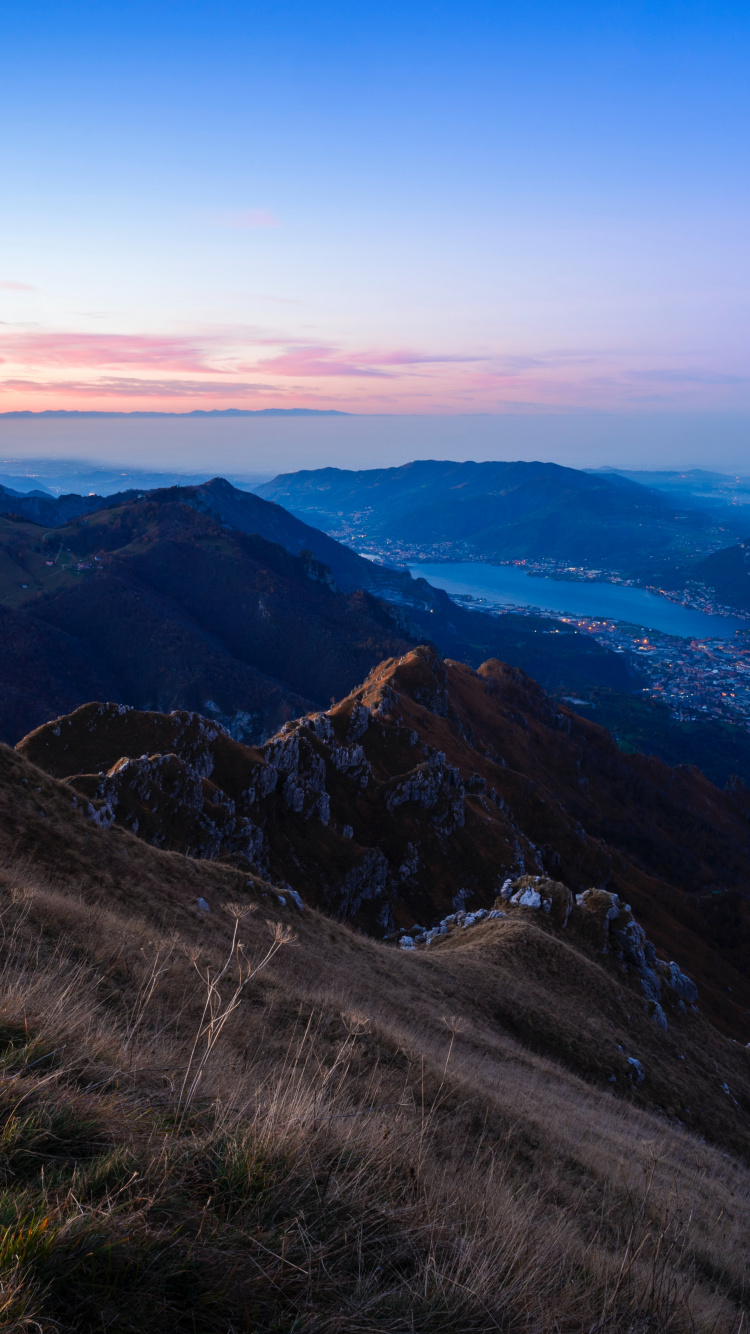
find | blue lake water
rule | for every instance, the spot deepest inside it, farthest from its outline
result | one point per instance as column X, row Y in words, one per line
column 507, row 585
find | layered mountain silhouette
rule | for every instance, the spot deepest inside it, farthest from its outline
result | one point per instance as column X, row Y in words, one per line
column 212, row 599
column 502, row 511
column 422, row 793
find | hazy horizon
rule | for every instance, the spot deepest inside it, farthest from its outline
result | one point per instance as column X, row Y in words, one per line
column 270, row 445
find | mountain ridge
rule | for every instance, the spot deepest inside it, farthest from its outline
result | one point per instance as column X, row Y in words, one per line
column 422, row 792
column 502, row 510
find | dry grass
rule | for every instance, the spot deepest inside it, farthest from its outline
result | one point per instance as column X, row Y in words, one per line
column 358, row 1155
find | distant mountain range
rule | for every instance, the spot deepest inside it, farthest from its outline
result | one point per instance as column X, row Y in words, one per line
column 503, row 511
column 195, row 412
column 722, row 494
column 214, row 599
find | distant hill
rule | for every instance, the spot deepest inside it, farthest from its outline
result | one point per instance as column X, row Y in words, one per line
column 194, row 412
column 42, row 508
column 212, row 599
column 726, row 571
column 722, row 495
column 21, row 486
column 501, row 511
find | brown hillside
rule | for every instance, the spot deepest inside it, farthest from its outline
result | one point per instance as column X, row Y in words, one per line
column 453, row 1139
column 421, row 793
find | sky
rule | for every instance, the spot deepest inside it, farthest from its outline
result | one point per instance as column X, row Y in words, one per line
column 411, row 209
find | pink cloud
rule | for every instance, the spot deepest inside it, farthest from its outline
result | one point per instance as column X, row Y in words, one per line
column 246, row 219
column 77, row 350
column 82, row 351
column 135, row 387
column 16, row 287
column 233, row 366
column 318, row 360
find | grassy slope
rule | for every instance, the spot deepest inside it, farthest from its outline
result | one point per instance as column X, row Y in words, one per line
column 382, row 1141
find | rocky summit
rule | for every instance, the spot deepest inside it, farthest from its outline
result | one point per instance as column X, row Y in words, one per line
column 422, row 794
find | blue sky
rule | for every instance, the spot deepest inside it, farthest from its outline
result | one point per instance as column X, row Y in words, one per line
column 396, row 208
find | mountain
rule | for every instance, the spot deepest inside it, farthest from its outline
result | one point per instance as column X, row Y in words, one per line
column 721, row 494
column 160, row 605
column 500, row 511
column 223, row 1113
column 51, row 511
column 213, row 599
column 194, row 412
column 420, row 794
column 727, row 572
column 21, row 486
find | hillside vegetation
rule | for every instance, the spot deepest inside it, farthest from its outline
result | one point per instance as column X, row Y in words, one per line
column 333, row 1134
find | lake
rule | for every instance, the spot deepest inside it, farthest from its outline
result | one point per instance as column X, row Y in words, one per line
column 507, row 585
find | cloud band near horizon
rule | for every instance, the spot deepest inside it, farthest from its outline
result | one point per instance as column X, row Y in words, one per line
column 236, row 367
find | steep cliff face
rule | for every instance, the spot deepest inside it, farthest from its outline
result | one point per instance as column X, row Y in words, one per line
column 419, row 795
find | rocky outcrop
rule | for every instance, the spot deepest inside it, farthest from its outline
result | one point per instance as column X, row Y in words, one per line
column 609, row 924
column 539, row 892
column 169, row 803
column 391, row 809
column 609, row 927
column 599, row 921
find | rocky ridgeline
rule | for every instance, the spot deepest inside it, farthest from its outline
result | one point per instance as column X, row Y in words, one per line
column 357, row 810
column 597, row 917
column 422, row 797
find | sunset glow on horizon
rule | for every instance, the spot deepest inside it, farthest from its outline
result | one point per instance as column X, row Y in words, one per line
column 428, row 211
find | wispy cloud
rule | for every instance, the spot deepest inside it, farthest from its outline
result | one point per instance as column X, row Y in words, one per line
column 318, row 360
column 136, row 387
column 78, row 350
column 245, row 219
column 7, row 286
column 233, row 364
column 678, row 375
